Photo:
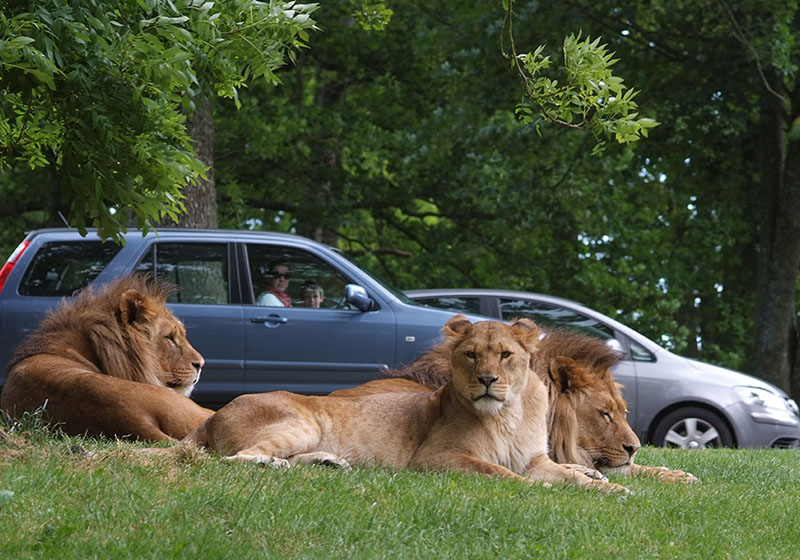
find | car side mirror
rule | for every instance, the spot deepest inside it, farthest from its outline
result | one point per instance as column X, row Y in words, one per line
column 615, row 345
column 357, row 296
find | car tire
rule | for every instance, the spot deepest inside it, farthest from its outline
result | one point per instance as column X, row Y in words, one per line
column 692, row 428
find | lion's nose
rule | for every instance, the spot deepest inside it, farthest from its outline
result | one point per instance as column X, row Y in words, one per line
column 199, row 365
column 486, row 380
column 631, row 449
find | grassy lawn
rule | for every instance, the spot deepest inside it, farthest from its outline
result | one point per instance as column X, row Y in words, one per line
column 58, row 504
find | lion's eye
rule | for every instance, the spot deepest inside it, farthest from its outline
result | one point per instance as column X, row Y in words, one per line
column 606, row 415
column 504, row 354
column 470, row 354
column 171, row 338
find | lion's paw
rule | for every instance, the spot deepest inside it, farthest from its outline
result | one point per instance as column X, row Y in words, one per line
column 586, row 471
column 608, row 487
column 275, row 462
column 320, row 458
column 675, row 475
column 332, row 461
column 263, row 460
column 665, row 474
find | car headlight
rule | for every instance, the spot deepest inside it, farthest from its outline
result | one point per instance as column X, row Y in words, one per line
column 768, row 407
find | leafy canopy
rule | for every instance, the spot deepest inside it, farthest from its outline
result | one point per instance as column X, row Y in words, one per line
column 100, row 89
column 588, row 96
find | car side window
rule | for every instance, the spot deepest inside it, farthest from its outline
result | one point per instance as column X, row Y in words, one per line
column 60, row 268
column 640, row 354
column 198, row 270
column 554, row 316
column 454, row 303
column 285, row 276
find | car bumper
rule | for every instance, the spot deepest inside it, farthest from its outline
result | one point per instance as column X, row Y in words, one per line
column 753, row 429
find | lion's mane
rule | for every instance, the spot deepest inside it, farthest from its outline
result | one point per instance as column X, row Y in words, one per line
column 112, row 360
column 594, row 359
column 87, row 329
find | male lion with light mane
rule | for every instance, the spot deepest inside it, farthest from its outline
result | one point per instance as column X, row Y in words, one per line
column 586, row 420
column 490, row 419
column 113, row 362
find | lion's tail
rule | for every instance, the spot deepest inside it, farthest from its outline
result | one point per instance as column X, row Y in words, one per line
column 190, row 447
column 198, row 437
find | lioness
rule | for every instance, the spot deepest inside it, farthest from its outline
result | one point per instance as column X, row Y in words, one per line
column 490, row 419
column 113, row 362
column 586, row 420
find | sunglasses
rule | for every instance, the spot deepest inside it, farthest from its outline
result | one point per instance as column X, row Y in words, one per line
column 280, row 275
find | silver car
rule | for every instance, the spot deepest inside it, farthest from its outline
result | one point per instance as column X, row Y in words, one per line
column 672, row 401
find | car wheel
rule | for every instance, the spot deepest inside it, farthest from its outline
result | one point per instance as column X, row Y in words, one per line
column 692, row 428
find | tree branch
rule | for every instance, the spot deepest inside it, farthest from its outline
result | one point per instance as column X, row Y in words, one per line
column 738, row 33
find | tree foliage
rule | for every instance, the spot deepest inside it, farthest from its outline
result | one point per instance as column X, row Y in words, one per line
column 415, row 160
column 408, row 146
column 95, row 88
column 589, row 97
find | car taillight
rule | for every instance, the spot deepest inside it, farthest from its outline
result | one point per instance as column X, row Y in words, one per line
column 12, row 260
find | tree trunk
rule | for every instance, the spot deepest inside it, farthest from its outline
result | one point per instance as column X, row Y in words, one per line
column 792, row 186
column 775, row 328
column 56, row 210
column 201, row 199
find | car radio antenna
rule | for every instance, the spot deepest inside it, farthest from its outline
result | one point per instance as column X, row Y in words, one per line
column 63, row 219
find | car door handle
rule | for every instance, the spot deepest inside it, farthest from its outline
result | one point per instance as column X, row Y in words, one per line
column 270, row 319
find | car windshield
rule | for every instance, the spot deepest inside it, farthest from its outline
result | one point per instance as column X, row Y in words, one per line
column 377, row 278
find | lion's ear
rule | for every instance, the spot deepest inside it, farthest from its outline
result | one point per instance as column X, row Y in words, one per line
column 565, row 374
column 135, row 308
column 456, row 327
column 527, row 333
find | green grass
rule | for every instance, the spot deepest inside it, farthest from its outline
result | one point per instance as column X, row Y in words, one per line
column 58, row 504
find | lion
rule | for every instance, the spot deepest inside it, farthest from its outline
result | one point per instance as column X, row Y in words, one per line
column 110, row 362
column 489, row 418
column 586, row 420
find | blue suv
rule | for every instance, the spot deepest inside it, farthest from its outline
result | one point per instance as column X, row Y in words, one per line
column 361, row 326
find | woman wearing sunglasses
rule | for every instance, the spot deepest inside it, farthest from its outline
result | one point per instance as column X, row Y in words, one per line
column 277, row 284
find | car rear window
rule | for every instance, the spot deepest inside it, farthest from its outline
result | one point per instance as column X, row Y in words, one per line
column 60, row 268
column 554, row 316
column 198, row 270
column 454, row 303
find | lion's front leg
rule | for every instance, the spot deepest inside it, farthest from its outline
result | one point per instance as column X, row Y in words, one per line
column 464, row 462
column 543, row 469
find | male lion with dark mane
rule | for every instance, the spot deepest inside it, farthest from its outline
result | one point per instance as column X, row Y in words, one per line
column 586, row 419
column 113, row 362
column 489, row 418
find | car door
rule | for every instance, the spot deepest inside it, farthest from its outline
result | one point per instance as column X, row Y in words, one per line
column 308, row 349
column 206, row 279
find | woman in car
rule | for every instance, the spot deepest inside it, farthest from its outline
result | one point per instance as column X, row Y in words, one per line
column 277, row 284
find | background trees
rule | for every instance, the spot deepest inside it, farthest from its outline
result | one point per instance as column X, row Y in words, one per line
column 99, row 91
column 725, row 73
column 401, row 146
